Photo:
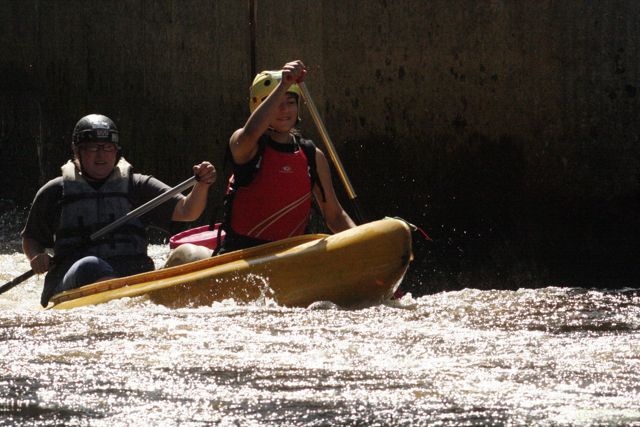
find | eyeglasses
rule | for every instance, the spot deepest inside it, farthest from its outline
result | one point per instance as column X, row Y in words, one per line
column 94, row 148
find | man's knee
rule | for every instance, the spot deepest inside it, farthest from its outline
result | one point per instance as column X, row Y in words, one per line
column 86, row 270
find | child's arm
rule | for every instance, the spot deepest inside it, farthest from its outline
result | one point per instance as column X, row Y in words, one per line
column 334, row 215
column 244, row 141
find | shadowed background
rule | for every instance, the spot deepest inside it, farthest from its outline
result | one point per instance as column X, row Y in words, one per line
column 507, row 130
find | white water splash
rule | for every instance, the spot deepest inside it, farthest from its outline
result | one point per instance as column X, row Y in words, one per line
column 531, row 357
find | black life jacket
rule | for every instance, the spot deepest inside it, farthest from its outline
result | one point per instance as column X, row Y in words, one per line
column 86, row 210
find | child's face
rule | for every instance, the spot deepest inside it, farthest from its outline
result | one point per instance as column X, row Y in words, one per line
column 287, row 114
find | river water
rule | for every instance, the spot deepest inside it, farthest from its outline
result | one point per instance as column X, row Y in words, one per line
column 552, row 356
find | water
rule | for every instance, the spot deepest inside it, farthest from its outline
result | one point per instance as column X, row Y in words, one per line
column 553, row 356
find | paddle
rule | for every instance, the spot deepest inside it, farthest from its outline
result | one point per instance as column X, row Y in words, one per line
column 139, row 211
column 332, row 152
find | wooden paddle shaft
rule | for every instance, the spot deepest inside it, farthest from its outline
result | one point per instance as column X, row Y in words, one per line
column 327, row 141
column 16, row 281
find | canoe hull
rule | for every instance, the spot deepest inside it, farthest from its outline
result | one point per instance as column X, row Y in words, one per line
column 353, row 269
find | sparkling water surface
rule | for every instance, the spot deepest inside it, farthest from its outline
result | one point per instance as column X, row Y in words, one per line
column 553, row 356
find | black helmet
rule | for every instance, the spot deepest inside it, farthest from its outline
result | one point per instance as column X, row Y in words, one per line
column 95, row 128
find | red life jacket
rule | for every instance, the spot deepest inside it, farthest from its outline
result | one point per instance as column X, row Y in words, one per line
column 276, row 203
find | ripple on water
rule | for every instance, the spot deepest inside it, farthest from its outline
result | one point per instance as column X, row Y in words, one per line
column 548, row 356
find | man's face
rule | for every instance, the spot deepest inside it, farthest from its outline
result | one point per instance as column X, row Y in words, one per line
column 98, row 158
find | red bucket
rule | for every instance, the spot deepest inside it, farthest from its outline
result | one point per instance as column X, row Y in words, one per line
column 203, row 236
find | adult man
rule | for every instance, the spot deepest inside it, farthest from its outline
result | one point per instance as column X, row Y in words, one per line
column 97, row 187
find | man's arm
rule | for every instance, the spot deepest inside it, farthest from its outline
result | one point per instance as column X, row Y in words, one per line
column 34, row 251
column 190, row 208
column 38, row 232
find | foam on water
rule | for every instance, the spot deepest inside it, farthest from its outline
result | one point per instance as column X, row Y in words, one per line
column 549, row 356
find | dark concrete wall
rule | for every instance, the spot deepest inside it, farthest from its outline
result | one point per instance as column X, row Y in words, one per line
column 507, row 130
column 170, row 73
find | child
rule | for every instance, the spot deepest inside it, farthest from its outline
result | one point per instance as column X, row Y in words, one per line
column 275, row 170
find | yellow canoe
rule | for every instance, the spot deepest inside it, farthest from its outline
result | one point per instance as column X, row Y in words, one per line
column 356, row 268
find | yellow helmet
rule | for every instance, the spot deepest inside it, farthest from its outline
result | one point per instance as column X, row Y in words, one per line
column 263, row 84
